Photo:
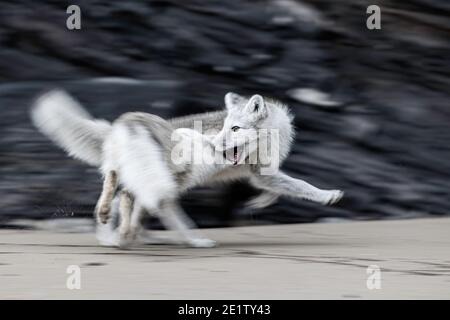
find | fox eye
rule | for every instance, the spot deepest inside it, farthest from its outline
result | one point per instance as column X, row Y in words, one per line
column 235, row 128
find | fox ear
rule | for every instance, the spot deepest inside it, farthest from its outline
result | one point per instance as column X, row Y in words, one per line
column 257, row 107
column 233, row 100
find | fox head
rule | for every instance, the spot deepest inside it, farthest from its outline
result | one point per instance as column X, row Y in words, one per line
column 238, row 139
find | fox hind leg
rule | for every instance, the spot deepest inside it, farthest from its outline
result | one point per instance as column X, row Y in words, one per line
column 173, row 218
column 103, row 207
column 125, row 210
column 171, row 215
column 136, row 220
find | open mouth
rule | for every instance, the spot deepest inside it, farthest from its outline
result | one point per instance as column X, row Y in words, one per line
column 232, row 155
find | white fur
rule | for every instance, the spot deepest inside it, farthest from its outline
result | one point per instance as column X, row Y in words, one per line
column 142, row 166
column 106, row 235
column 64, row 121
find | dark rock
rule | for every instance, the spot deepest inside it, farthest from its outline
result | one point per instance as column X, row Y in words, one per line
column 386, row 143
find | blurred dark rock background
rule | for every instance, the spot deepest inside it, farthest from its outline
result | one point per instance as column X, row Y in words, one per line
column 385, row 140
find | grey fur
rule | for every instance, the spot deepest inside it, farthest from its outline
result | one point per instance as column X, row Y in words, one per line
column 158, row 129
column 93, row 141
column 210, row 120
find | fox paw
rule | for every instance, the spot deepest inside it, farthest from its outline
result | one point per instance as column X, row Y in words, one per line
column 202, row 243
column 124, row 242
column 127, row 238
column 103, row 214
column 334, row 197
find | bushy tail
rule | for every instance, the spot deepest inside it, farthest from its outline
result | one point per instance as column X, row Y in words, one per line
column 65, row 122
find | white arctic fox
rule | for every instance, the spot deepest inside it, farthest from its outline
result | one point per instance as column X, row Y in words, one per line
column 141, row 153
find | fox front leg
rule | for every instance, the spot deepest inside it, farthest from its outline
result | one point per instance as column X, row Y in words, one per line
column 265, row 199
column 281, row 183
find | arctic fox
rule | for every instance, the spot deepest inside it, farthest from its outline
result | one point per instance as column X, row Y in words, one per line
column 136, row 152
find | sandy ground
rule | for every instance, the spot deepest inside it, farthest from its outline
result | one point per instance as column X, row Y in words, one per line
column 307, row 261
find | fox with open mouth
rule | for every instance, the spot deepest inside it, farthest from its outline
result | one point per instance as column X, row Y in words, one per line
column 248, row 140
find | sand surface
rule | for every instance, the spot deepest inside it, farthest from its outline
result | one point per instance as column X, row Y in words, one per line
column 301, row 261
